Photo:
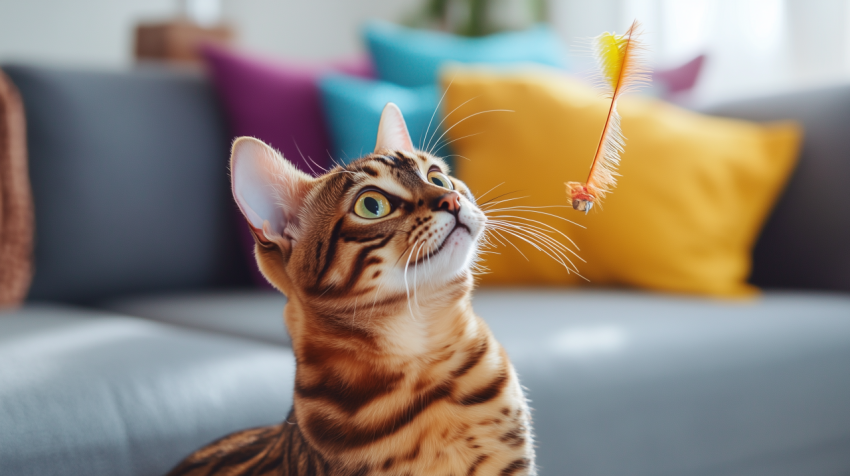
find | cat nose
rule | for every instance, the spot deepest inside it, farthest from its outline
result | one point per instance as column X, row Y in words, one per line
column 449, row 202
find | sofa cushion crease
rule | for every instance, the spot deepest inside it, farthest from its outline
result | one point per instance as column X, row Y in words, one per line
column 252, row 314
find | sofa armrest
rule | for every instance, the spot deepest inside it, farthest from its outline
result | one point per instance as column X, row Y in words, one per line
column 803, row 244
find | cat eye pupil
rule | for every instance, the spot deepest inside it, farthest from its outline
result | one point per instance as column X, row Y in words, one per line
column 372, row 205
column 440, row 180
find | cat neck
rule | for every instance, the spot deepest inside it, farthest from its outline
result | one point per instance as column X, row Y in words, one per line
column 407, row 326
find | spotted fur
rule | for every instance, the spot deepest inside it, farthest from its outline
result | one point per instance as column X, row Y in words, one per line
column 392, row 378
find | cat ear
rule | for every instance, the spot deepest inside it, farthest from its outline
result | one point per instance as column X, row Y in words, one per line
column 268, row 189
column 392, row 131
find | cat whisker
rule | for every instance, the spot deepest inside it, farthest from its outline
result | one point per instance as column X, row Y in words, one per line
column 470, row 117
column 339, row 164
column 489, row 204
column 494, row 230
column 304, row 158
column 552, row 253
column 487, row 239
column 453, row 140
column 324, row 169
column 406, row 286
column 416, row 275
column 527, row 209
column 541, row 231
column 401, row 255
column 457, row 155
column 516, row 207
column 500, row 196
column 538, row 234
column 545, row 225
column 543, row 243
column 436, row 108
column 488, row 191
column 446, row 117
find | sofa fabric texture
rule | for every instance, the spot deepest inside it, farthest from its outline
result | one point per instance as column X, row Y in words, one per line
column 16, row 211
column 88, row 393
column 129, row 179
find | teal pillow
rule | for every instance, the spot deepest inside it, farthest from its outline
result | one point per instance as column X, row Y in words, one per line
column 353, row 106
column 411, row 57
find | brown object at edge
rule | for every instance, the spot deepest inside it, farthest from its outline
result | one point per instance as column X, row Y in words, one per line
column 177, row 41
column 17, row 221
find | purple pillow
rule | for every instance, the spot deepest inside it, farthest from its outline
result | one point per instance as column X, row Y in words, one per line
column 680, row 79
column 277, row 102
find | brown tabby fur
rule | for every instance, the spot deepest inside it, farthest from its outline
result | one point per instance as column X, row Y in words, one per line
column 386, row 384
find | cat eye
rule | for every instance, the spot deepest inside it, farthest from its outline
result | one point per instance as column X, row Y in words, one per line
column 440, row 179
column 372, row 205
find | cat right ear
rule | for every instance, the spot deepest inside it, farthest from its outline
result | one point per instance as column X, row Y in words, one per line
column 269, row 191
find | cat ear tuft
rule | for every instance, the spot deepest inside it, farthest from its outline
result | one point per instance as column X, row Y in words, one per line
column 392, row 131
column 268, row 189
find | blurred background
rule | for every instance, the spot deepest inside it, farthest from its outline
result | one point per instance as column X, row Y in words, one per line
column 713, row 339
column 751, row 45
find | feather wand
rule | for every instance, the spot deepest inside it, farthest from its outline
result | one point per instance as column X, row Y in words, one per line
column 621, row 70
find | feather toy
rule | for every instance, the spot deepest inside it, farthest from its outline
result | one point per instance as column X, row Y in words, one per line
column 622, row 70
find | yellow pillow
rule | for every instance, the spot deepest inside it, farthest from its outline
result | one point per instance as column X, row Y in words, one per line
column 693, row 195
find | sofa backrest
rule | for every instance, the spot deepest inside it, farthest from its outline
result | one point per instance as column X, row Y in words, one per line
column 130, row 183
column 805, row 241
column 129, row 177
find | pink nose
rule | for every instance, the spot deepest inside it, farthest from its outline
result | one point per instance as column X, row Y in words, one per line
column 449, row 202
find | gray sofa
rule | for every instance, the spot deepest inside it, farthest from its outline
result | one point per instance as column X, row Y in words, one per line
column 143, row 338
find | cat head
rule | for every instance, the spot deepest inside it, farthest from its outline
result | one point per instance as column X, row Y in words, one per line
column 375, row 230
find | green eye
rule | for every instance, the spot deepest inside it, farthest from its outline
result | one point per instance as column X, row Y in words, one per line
column 372, row 205
column 440, row 179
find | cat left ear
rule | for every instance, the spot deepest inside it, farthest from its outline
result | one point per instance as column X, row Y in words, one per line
column 269, row 190
column 392, row 131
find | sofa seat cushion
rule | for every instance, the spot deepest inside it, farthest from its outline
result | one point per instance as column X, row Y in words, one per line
column 639, row 384
column 88, row 393
column 255, row 314
column 632, row 384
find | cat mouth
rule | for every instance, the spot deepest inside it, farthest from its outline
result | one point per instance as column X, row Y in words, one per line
column 458, row 226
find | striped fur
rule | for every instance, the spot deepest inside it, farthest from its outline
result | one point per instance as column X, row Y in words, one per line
column 392, row 378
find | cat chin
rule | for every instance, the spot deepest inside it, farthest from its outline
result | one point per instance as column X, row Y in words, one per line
column 455, row 258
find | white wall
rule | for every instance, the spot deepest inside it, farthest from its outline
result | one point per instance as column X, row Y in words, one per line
column 74, row 31
column 309, row 28
column 753, row 45
column 101, row 31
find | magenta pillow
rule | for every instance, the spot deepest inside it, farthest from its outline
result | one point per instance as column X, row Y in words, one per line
column 277, row 102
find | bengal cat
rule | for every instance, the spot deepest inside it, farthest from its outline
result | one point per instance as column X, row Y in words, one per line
column 395, row 375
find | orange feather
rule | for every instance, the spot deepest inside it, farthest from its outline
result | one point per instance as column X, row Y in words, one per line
column 621, row 70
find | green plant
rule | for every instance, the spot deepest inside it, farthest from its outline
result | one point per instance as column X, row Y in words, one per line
column 479, row 17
